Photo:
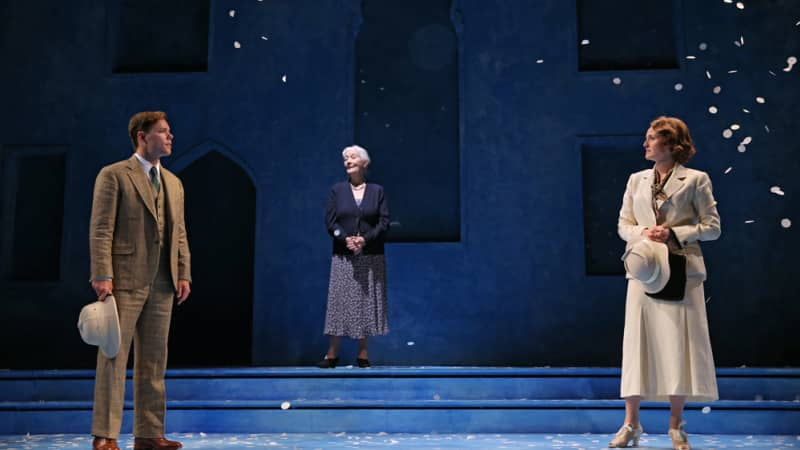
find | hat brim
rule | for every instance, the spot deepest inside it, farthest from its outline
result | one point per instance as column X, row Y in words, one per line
column 111, row 341
column 661, row 253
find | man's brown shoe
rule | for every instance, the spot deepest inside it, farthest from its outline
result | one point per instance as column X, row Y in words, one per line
column 155, row 444
column 101, row 443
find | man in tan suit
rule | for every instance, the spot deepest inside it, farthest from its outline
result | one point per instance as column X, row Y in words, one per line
column 139, row 250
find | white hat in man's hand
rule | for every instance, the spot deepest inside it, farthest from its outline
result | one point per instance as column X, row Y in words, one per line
column 99, row 325
column 648, row 262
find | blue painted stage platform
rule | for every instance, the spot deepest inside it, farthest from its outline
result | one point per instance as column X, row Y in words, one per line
column 325, row 441
column 441, row 400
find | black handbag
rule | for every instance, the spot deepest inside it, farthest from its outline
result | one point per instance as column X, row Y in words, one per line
column 676, row 285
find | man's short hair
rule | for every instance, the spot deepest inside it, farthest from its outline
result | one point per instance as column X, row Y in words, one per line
column 142, row 121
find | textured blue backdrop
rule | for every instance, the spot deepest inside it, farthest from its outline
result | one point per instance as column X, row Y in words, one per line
column 514, row 289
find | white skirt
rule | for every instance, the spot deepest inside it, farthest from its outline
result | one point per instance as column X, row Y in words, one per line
column 666, row 348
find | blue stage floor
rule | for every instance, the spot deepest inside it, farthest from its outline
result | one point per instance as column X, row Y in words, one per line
column 404, row 441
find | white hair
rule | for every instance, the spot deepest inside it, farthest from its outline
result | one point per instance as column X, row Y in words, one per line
column 362, row 153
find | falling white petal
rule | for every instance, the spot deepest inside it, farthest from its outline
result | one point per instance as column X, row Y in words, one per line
column 283, row 78
column 712, row 109
column 735, row 127
column 706, row 409
column 727, row 133
column 232, row 13
column 617, row 81
column 410, row 343
column 740, row 5
column 728, row 170
column 585, row 42
column 264, row 38
column 539, row 61
column 777, row 190
column 747, row 140
column 737, row 43
column 703, row 46
column 746, row 111
column 749, row 221
column 286, row 405
column 691, row 57
column 786, row 223
column 708, row 74
column 717, row 89
column 237, row 44
column 732, row 71
column 766, row 128
column 678, row 86
column 791, row 61
column 741, row 148
column 760, row 100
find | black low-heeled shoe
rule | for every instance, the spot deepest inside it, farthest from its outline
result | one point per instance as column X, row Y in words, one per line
column 363, row 363
column 328, row 363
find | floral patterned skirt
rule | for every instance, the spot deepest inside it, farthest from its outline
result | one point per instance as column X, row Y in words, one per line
column 357, row 305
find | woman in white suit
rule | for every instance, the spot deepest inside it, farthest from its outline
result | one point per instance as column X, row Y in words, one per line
column 666, row 350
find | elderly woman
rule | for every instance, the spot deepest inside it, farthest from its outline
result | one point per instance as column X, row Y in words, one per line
column 666, row 350
column 357, row 218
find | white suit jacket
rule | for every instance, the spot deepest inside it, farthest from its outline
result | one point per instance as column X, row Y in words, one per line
column 689, row 209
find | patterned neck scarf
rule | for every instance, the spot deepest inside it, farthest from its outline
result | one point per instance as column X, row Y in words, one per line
column 657, row 188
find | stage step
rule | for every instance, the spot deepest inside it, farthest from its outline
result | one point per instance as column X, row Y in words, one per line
column 401, row 399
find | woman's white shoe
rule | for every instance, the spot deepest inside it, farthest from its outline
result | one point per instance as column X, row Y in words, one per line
column 680, row 440
column 626, row 434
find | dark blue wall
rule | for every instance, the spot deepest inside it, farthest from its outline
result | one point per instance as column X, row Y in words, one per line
column 514, row 290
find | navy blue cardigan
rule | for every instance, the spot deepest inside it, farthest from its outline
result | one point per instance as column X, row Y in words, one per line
column 344, row 218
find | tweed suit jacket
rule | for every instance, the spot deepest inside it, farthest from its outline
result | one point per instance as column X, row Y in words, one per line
column 123, row 236
column 689, row 210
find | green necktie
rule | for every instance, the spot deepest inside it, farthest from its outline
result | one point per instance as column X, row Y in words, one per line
column 154, row 179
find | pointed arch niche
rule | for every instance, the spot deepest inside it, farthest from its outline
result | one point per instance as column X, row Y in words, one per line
column 215, row 326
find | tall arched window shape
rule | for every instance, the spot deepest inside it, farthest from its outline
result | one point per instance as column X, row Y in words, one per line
column 214, row 327
column 407, row 114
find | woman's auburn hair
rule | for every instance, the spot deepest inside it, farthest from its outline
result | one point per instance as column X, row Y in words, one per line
column 675, row 133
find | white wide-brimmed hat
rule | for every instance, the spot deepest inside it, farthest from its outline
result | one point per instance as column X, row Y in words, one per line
column 648, row 263
column 99, row 325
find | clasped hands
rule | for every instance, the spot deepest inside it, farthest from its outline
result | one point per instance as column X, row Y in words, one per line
column 355, row 243
column 657, row 234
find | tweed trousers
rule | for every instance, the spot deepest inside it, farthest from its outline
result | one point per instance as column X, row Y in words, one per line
column 144, row 316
